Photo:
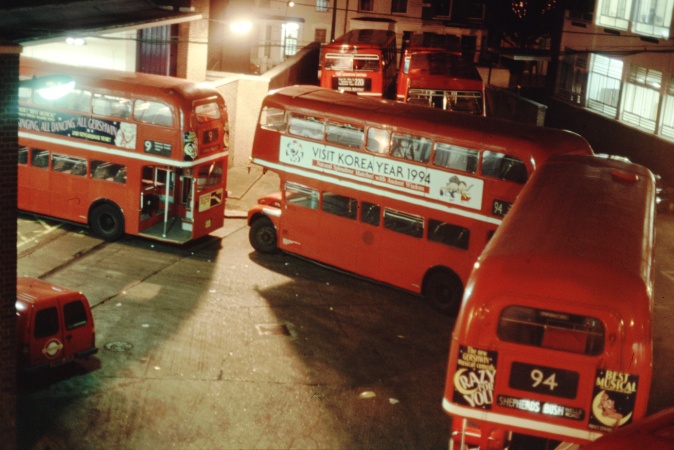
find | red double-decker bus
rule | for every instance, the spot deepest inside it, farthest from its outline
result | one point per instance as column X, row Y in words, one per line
column 361, row 61
column 554, row 335
column 402, row 194
column 434, row 73
column 122, row 152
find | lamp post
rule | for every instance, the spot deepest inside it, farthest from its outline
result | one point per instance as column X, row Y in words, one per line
column 334, row 19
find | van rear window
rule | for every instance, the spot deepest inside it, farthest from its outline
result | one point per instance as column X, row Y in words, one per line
column 551, row 329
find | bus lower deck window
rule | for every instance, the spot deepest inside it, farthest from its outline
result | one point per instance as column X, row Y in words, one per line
column 448, row 234
column 340, row 205
column 404, row 223
column 300, row 195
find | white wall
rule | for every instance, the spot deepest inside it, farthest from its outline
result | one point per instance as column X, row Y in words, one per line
column 110, row 51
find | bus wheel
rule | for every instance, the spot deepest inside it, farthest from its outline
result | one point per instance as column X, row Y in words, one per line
column 262, row 236
column 107, row 221
column 444, row 291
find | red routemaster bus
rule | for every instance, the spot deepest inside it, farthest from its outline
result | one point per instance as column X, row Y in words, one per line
column 361, row 61
column 122, row 152
column 434, row 73
column 402, row 194
column 553, row 338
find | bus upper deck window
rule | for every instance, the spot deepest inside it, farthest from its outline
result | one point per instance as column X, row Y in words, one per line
column 106, row 105
column 378, row 140
column 306, row 126
column 273, row 118
column 454, row 157
column 366, row 63
column 345, row 134
column 551, row 329
column 504, row 167
column 25, row 94
column 207, row 112
column 155, row 113
column 411, row 147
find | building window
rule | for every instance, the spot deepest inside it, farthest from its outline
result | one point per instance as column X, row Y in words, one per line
column 653, row 18
column 366, row 5
column 322, row 5
column 642, row 98
column 614, row 13
column 399, row 6
column 573, row 78
column 668, row 111
column 290, row 33
column 320, row 35
column 603, row 89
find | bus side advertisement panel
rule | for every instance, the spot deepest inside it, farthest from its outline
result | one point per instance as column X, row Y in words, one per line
column 450, row 188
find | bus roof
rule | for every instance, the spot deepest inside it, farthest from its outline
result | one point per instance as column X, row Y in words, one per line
column 435, row 41
column 117, row 80
column 588, row 237
column 526, row 141
column 370, row 38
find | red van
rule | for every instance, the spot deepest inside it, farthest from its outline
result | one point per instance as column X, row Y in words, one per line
column 54, row 324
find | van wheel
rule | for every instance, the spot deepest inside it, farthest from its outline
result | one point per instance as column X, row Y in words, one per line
column 107, row 221
column 444, row 291
column 262, row 236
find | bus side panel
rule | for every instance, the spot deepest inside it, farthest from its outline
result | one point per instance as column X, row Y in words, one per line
column 68, row 197
column 35, row 183
column 350, row 244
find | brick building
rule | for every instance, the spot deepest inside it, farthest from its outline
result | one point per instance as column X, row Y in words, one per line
column 29, row 23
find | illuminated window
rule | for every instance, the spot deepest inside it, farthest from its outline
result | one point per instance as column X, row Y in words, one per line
column 642, row 98
column 614, row 13
column 603, row 89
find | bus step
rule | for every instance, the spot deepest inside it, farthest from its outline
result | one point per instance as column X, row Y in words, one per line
column 174, row 232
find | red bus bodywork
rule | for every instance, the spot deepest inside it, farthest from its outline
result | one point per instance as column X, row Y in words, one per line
column 554, row 336
column 652, row 432
column 153, row 151
column 440, row 77
column 361, row 61
column 335, row 151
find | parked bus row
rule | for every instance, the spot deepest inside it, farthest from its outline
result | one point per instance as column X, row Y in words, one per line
column 122, row 152
column 431, row 72
column 554, row 335
column 415, row 222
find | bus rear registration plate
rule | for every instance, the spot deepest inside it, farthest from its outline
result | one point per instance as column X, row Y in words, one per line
column 352, row 84
column 544, row 380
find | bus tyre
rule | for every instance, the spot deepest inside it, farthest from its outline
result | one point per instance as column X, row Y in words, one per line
column 262, row 236
column 107, row 221
column 444, row 291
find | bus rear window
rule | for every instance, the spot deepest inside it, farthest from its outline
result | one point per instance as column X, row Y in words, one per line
column 207, row 112
column 551, row 329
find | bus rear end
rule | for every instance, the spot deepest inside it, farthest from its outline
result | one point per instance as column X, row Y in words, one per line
column 362, row 62
column 554, row 335
column 441, row 79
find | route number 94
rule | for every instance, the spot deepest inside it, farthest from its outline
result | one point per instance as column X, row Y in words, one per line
column 543, row 380
column 538, row 377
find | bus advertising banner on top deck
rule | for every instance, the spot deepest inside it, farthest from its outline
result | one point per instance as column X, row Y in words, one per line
column 446, row 187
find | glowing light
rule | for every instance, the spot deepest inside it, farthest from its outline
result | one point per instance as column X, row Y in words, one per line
column 241, row 26
column 56, row 91
column 77, row 41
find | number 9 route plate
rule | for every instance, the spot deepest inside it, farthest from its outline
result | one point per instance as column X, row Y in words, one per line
column 543, row 380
